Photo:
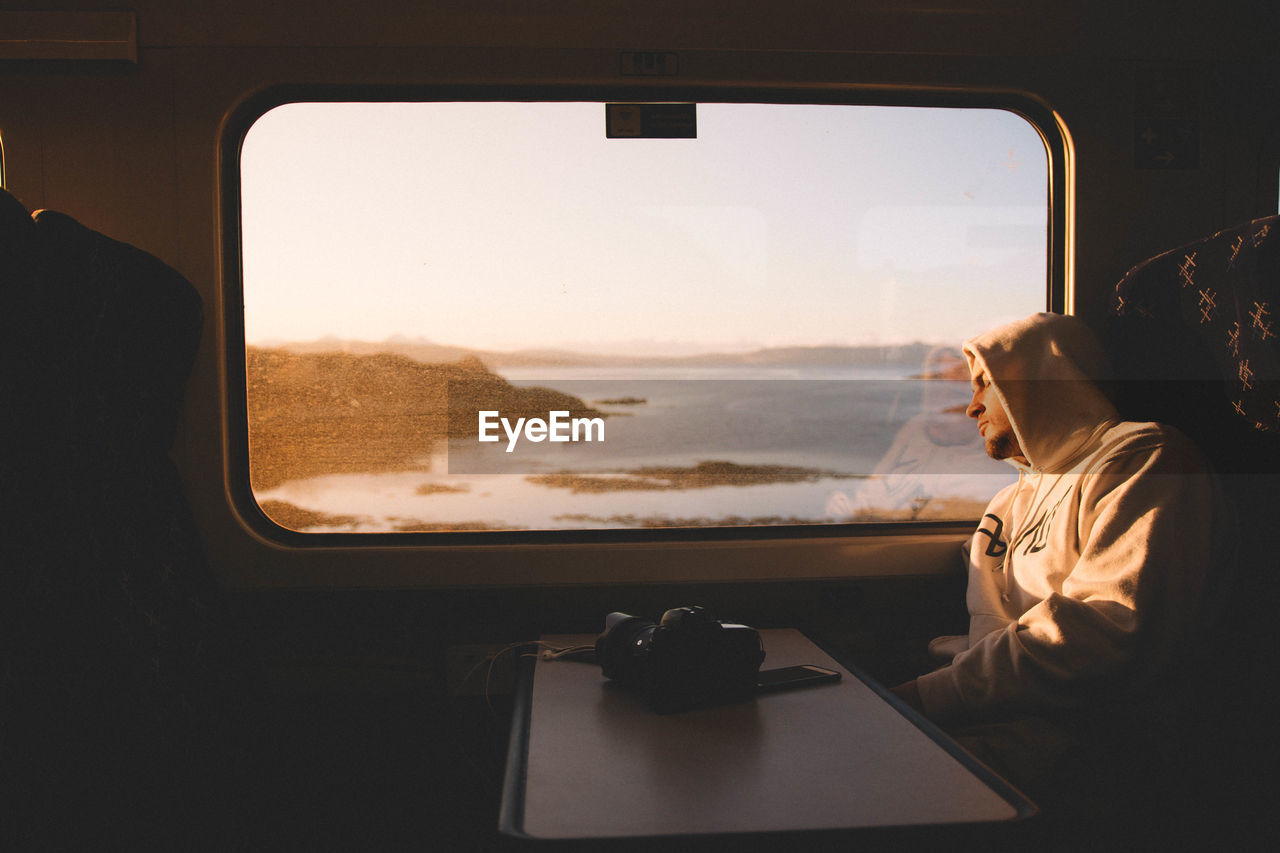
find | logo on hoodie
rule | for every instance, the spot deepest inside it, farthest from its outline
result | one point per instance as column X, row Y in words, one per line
column 1036, row 537
column 996, row 546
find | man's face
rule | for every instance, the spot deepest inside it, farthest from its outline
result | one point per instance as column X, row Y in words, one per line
column 993, row 421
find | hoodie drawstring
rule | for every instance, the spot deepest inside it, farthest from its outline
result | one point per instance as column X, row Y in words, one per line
column 1018, row 525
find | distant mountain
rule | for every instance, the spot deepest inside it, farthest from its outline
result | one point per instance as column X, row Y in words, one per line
column 433, row 353
column 827, row 356
column 418, row 350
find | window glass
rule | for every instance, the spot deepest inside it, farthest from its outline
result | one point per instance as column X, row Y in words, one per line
column 481, row 316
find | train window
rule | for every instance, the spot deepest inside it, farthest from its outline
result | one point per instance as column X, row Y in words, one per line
column 496, row 316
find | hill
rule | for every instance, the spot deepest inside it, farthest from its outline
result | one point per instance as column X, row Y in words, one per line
column 335, row 412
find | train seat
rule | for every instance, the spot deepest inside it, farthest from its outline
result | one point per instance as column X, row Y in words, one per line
column 118, row 660
column 1193, row 334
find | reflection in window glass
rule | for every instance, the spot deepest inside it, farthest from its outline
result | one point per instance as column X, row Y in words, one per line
column 478, row 316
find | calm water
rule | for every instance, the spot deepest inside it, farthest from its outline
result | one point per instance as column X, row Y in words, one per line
column 843, row 425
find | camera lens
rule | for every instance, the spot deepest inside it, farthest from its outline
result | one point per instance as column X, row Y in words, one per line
column 616, row 648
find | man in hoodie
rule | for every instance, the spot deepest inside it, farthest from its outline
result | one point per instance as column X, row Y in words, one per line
column 1088, row 578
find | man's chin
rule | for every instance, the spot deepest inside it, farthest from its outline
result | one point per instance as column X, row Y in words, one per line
column 999, row 448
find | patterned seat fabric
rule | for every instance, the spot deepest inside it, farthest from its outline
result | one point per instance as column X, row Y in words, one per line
column 1194, row 337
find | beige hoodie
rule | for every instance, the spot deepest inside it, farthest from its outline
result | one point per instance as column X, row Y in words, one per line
column 1087, row 577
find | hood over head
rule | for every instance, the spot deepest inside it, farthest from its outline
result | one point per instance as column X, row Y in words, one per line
column 1044, row 369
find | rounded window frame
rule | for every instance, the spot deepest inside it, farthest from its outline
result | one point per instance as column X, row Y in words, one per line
column 1059, row 281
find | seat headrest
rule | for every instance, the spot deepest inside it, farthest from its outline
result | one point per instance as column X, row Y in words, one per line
column 1201, row 323
column 99, row 336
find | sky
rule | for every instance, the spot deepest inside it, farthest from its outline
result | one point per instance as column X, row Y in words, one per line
column 507, row 226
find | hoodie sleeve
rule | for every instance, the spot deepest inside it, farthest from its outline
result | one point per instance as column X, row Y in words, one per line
column 1132, row 595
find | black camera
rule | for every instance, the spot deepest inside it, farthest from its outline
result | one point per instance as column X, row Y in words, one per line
column 687, row 660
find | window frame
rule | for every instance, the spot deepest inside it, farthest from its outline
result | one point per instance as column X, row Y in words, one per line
column 1059, row 276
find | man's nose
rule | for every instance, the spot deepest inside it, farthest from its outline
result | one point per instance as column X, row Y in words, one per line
column 975, row 406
